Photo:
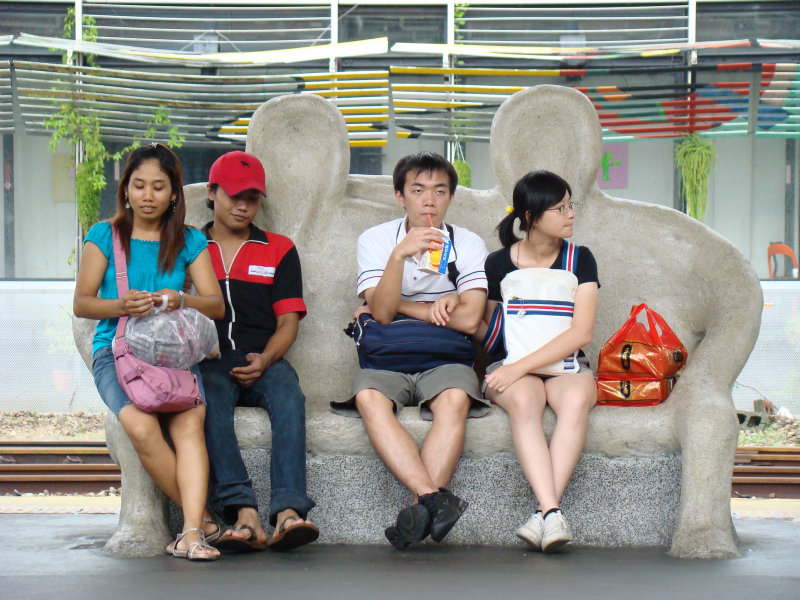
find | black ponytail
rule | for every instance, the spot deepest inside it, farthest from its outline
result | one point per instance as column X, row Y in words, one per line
column 505, row 230
column 533, row 194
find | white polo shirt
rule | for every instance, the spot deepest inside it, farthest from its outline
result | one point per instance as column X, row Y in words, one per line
column 375, row 246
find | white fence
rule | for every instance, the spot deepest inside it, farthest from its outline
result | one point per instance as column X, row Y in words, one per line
column 40, row 370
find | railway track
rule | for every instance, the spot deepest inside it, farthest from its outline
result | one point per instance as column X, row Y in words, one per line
column 87, row 467
column 70, row 467
column 766, row 472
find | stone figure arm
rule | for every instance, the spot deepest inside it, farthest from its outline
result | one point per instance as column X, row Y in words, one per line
column 564, row 344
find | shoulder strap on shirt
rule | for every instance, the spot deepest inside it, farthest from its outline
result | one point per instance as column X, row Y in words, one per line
column 120, row 264
column 452, row 270
column 121, row 268
column 569, row 258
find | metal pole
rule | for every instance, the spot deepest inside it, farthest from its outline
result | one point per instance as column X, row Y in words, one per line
column 78, row 20
column 79, row 146
column 332, row 67
column 447, row 62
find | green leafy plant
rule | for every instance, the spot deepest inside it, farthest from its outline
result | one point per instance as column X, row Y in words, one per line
column 695, row 158
column 464, row 172
column 81, row 129
column 460, row 164
column 459, row 12
column 88, row 33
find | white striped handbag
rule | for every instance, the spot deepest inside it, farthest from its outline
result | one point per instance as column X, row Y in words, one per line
column 538, row 304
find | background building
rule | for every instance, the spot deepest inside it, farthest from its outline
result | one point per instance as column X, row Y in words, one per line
column 407, row 76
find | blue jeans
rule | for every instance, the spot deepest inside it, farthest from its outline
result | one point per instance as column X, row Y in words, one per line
column 277, row 391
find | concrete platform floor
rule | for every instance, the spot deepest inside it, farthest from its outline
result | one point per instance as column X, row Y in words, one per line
column 59, row 557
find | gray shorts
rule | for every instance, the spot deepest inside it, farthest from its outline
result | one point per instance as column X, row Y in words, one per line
column 418, row 389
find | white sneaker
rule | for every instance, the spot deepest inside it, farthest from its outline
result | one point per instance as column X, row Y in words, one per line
column 556, row 532
column 532, row 531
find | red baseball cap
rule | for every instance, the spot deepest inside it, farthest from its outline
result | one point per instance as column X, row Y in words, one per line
column 238, row 171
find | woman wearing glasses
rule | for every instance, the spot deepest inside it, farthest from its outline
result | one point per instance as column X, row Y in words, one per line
column 542, row 203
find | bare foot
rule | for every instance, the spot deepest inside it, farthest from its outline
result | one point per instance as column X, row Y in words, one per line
column 247, row 520
column 292, row 531
column 286, row 518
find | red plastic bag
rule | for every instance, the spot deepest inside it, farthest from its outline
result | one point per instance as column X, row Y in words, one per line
column 638, row 350
column 633, row 391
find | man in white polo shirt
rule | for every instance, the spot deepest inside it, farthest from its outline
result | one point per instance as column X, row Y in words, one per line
column 391, row 283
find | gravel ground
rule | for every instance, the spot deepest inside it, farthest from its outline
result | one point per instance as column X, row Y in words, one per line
column 26, row 425
column 778, row 431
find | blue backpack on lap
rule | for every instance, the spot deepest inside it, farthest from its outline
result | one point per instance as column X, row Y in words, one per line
column 408, row 345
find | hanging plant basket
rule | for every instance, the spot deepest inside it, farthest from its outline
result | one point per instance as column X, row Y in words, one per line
column 695, row 159
column 463, row 170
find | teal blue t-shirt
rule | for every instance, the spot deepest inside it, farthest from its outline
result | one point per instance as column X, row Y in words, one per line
column 143, row 271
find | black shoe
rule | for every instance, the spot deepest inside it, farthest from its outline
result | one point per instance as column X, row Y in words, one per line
column 413, row 525
column 448, row 509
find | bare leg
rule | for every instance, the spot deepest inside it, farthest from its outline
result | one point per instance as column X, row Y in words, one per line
column 191, row 466
column 571, row 397
column 524, row 401
column 393, row 444
column 155, row 454
column 158, row 459
column 444, row 443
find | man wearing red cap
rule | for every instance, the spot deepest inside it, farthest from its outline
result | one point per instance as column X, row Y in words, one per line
column 260, row 276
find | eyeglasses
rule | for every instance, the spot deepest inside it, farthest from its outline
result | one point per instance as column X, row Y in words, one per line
column 563, row 208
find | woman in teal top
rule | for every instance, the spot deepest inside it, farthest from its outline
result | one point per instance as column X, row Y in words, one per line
column 160, row 250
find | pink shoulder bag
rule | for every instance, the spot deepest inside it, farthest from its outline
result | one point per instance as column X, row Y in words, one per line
column 149, row 387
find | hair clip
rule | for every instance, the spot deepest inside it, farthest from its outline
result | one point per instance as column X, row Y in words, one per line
column 509, row 209
column 154, row 144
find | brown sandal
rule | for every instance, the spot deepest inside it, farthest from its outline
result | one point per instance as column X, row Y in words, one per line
column 236, row 544
column 292, row 536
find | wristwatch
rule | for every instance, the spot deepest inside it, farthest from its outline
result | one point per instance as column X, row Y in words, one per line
column 182, row 299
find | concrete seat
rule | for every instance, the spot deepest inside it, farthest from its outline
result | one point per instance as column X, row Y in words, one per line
column 648, row 476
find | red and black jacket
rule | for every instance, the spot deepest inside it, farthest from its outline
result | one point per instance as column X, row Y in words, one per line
column 263, row 281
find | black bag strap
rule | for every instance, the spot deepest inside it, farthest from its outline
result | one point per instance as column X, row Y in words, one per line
column 452, row 270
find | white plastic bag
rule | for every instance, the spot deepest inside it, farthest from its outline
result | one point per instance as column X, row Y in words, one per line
column 178, row 339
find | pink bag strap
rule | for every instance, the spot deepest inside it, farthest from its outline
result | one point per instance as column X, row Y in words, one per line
column 121, row 267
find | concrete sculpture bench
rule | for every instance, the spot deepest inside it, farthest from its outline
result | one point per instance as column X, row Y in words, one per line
column 648, row 476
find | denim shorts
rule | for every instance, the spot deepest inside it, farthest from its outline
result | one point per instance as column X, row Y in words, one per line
column 104, row 372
